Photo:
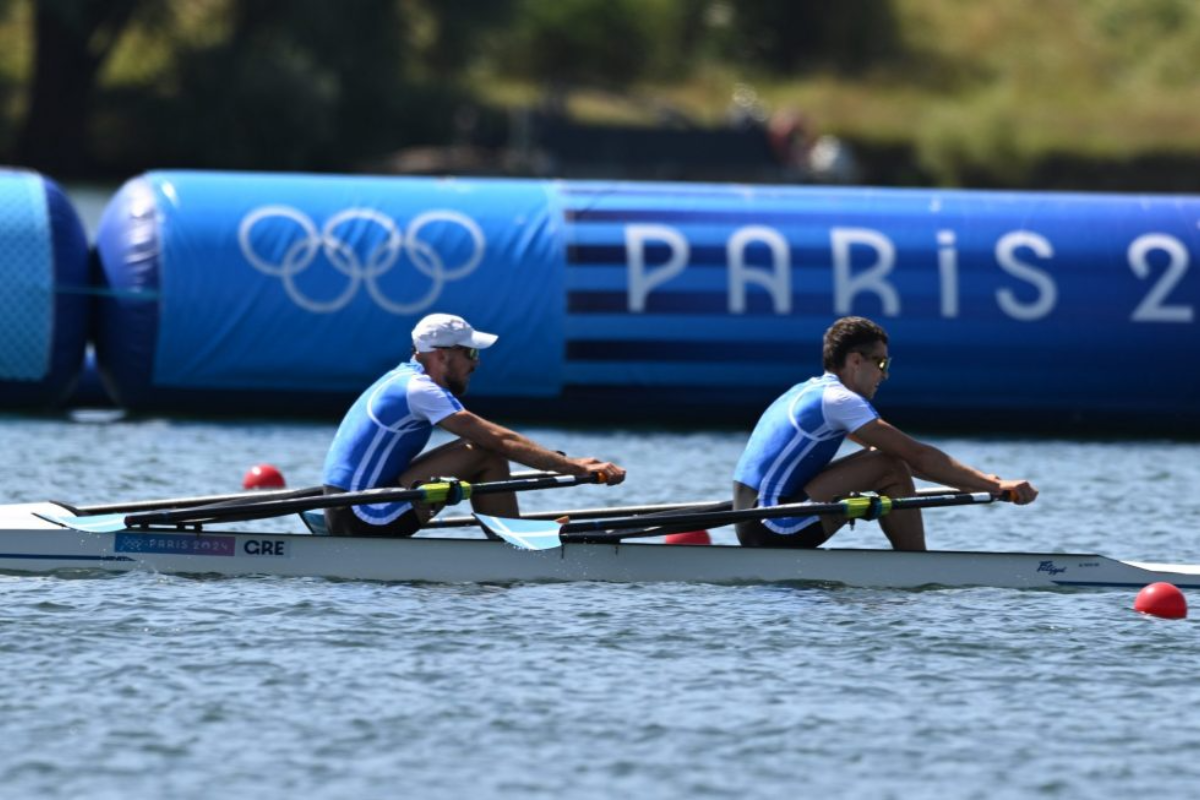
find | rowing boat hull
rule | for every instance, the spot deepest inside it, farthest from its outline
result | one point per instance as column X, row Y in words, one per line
column 29, row 543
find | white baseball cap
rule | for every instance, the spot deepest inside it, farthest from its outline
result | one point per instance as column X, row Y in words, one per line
column 447, row 330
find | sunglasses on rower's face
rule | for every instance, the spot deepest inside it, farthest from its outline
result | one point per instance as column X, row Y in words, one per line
column 884, row 363
column 472, row 353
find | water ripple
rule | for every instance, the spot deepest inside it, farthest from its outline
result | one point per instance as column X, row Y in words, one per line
column 150, row 685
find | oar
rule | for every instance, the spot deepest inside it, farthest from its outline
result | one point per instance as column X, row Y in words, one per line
column 590, row 513
column 203, row 500
column 211, row 499
column 448, row 492
column 537, row 535
column 657, row 529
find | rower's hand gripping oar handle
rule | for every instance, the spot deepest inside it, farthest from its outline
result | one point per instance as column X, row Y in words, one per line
column 451, row 491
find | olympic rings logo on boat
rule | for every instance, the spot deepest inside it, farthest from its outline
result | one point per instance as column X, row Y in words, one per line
column 374, row 256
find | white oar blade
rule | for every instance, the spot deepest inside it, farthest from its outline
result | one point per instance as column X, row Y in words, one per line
column 526, row 534
column 92, row 523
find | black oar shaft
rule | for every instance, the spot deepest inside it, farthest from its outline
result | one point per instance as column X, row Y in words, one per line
column 255, row 496
column 855, row 508
column 437, row 492
column 592, row 513
column 204, row 500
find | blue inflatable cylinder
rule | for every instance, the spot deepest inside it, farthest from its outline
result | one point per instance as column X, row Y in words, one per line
column 244, row 292
column 44, row 308
column 237, row 293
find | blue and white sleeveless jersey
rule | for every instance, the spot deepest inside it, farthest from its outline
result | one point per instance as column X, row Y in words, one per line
column 796, row 437
column 385, row 429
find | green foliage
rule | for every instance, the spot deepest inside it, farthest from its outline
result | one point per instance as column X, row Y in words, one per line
column 1037, row 79
column 8, row 80
column 302, row 84
column 276, row 111
column 581, row 42
column 1156, row 41
column 789, row 36
column 457, row 34
column 978, row 92
column 960, row 145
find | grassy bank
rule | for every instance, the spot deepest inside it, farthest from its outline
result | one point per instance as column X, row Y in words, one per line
column 1037, row 93
column 1062, row 94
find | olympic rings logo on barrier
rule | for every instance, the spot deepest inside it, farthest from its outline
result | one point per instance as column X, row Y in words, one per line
column 391, row 245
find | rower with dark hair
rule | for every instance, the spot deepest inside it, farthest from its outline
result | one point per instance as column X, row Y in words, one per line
column 790, row 457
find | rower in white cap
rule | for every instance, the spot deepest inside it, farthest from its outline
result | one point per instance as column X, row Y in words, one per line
column 380, row 440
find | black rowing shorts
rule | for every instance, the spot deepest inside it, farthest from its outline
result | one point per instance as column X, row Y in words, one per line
column 752, row 533
column 342, row 521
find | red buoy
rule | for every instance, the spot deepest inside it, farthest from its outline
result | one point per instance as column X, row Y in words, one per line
column 1161, row 600
column 690, row 537
column 263, row 476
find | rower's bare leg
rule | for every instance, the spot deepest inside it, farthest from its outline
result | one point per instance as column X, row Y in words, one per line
column 871, row 470
column 465, row 461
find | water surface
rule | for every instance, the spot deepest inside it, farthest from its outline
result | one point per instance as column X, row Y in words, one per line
column 152, row 685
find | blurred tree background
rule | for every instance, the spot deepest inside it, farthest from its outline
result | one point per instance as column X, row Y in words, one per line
column 1026, row 93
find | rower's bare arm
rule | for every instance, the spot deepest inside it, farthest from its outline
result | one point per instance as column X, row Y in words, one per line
column 854, row 438
column 930, row 463
column 523, row 450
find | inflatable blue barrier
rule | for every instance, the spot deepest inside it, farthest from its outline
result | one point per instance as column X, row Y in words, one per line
column 44, row 308
column 285, row 292
column 289, row 293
